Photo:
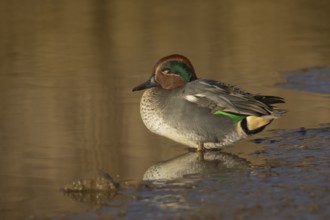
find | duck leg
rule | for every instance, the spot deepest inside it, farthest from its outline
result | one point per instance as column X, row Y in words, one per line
column 200, row 146
column 200, row 151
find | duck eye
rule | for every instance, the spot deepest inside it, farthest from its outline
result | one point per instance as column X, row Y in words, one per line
column 166, row 71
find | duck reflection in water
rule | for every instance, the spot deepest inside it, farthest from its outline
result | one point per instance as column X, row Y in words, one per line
column 187, row 164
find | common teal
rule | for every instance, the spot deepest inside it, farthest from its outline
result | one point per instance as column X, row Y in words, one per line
column 201, row 113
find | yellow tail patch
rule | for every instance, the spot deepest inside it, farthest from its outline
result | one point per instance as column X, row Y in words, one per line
column 254, row 122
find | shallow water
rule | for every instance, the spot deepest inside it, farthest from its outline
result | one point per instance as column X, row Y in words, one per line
column 66, row 73
column 292, row 184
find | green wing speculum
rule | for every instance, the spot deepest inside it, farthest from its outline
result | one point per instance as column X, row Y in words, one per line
column 234, row 118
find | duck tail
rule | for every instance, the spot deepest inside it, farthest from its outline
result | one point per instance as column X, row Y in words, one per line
column 255, row 124
column 276, row 113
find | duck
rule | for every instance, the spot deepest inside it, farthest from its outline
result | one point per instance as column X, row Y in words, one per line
column 201, row 113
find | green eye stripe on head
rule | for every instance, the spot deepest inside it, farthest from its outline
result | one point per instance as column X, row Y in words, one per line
column 178, row 68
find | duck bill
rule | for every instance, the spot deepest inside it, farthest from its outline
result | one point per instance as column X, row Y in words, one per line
column 148, row 84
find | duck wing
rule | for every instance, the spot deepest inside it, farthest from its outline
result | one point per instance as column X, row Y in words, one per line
column 218, row 96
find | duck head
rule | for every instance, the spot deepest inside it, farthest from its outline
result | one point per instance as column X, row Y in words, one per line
column 170, row 72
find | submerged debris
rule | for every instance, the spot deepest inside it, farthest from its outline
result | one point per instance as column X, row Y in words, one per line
column 97, row 183
column 96, row 189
